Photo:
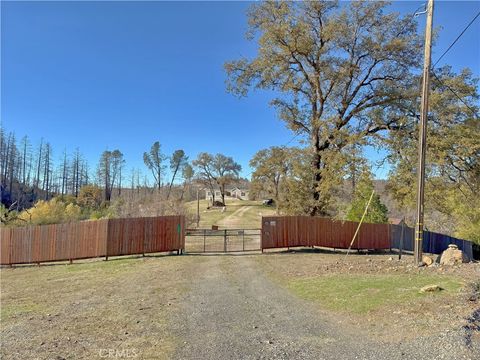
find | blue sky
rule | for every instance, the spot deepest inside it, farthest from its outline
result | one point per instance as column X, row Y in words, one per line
column 98, row 75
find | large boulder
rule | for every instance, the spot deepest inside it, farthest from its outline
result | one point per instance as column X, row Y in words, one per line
column 453, row 255
column 427, row 260
column 431, row 288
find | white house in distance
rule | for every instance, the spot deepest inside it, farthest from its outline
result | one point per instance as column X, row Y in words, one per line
column 230, row 193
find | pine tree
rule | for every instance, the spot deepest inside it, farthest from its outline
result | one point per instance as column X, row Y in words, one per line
column 377, row 211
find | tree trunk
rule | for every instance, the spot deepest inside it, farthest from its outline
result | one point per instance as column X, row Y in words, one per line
column 64, row 175
column 77, row 177
column 223, row 194
column 316, row 166
column 24, row 163
column 171, row 182
column 37, row 180
column 276, row 197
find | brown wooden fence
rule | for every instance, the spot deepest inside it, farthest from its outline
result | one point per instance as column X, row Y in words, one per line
column 89, row 239
column 292, row 231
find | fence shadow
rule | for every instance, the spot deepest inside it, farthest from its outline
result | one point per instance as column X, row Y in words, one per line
column 323, row 250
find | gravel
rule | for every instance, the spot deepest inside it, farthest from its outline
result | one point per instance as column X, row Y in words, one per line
column 232, row 310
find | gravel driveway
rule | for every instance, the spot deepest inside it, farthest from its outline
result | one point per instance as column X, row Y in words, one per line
column 232, row 310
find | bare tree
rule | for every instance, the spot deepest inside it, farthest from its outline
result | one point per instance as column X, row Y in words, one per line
column 154, row 161
column 205, row 172
column 64, row 173
column 226, row 171
column 177, row 162
column 216, row 171
column 108, row 171
column 187, row 174
column 39, row 166
column 47, row 170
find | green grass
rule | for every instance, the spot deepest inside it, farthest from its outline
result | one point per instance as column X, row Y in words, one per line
column 364, row 293
column 8, row 311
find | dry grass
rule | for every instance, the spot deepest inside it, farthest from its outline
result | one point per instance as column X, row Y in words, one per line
column 76, row 311
column 251, row 218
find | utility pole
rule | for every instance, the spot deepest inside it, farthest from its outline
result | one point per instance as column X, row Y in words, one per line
column 423, row 136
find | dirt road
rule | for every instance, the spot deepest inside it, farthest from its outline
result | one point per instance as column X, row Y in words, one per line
column 233, row 311
column 191, row 307
column 235, row 219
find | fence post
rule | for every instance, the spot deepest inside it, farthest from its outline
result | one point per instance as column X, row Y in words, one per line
column 106, row 240
column 401, row 241
column 225, row 240
column 10, row 247
column 144, row 236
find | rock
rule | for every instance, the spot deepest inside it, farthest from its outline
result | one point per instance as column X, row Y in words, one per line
column 427, row 260
column 430, row 288
column 453, row 256
column 390, row 258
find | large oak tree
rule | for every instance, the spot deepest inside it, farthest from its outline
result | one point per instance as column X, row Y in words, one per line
column 330, row 65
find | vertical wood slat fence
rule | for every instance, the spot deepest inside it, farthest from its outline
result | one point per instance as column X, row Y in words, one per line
column 90, row 239
column 292, row 231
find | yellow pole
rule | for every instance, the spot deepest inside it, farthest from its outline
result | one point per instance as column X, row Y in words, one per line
column 360, row 223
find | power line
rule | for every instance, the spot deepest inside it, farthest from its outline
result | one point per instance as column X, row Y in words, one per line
column 458, row 37
column 288, row 142
column 455, row 93
column 293, row 138
column 441, row 57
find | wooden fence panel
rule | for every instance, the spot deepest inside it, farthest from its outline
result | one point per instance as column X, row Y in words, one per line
column 89, row 239
column 165, row 233
column 21, row 245
column 125, row 236
column 292, row 231
column 62, row 245
column 5, row 236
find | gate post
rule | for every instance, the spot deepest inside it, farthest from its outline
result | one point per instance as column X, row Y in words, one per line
column 225, row 240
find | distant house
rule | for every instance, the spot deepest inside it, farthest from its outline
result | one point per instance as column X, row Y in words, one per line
column 241, row 194
column 231, row 192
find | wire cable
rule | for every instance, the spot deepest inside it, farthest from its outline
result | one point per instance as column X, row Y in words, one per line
column 458, row 37
column 455, row 93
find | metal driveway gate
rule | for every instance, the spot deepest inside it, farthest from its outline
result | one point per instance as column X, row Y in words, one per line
column 223, row 240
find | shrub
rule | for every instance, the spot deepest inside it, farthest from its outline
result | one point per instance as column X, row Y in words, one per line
column 53, row 211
